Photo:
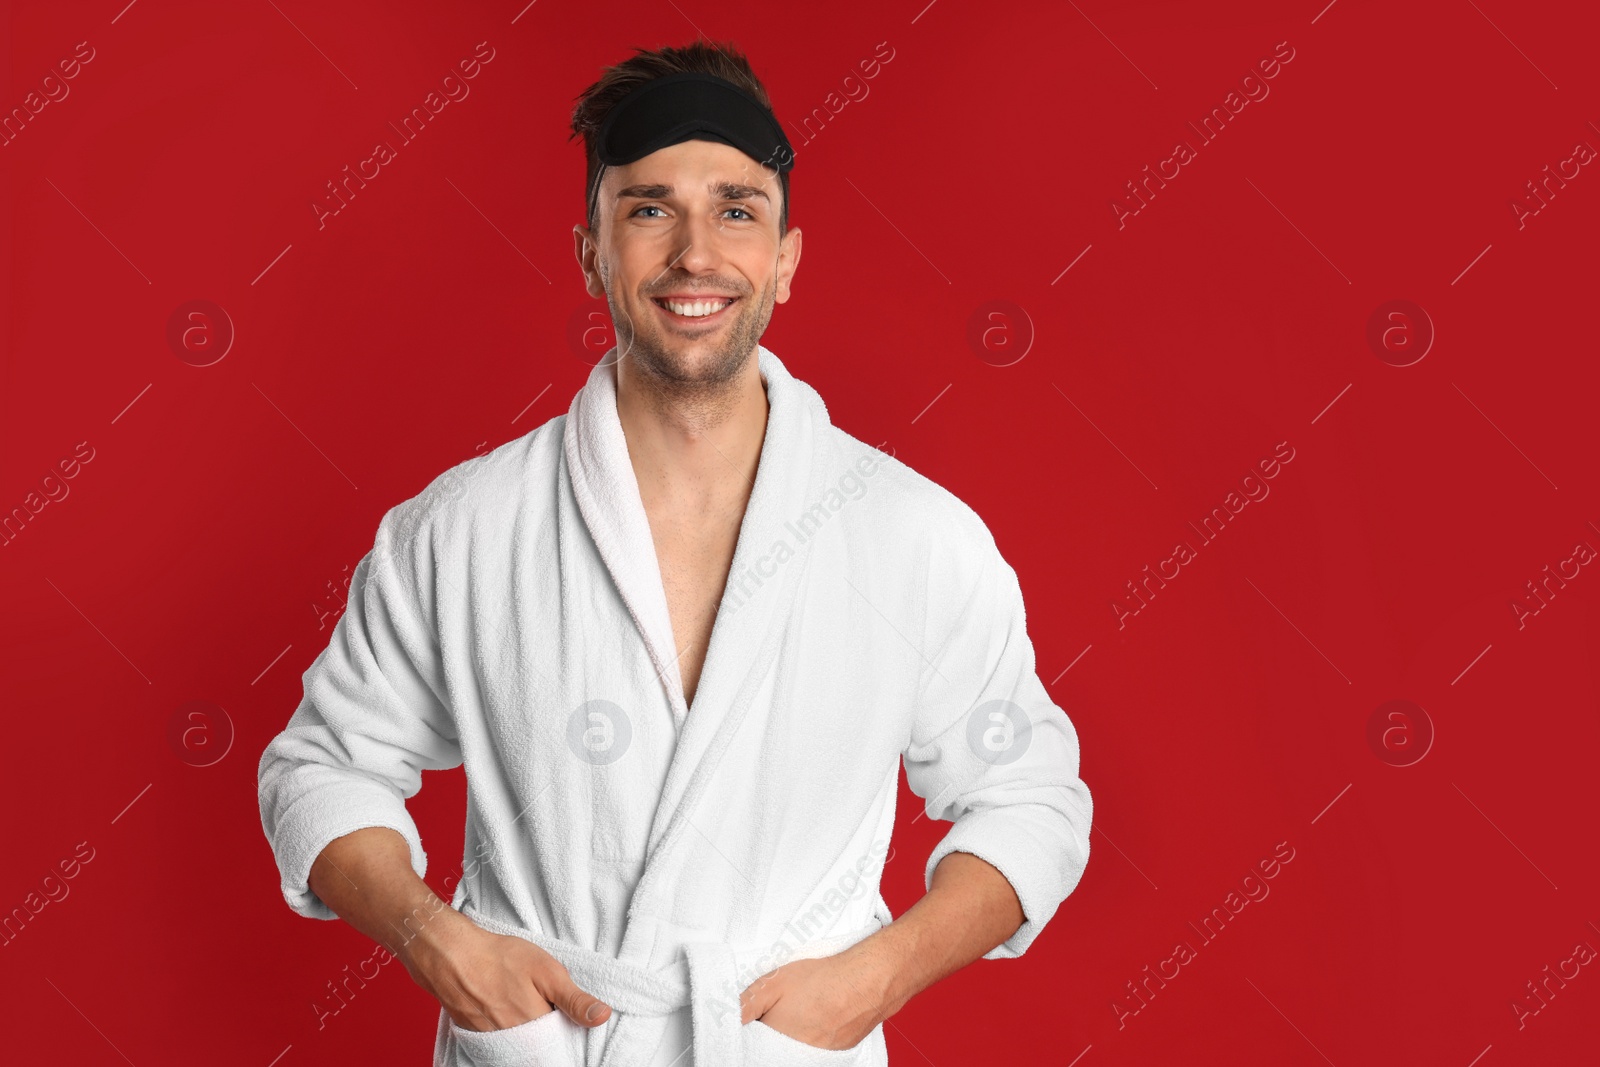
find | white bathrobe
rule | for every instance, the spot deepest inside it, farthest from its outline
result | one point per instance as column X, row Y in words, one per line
column 511, row 617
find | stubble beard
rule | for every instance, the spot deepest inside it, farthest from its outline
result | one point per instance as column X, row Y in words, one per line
column 666, row 369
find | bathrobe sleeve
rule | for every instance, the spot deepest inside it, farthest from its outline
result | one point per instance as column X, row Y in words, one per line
column 372, row 718
column 991, row 752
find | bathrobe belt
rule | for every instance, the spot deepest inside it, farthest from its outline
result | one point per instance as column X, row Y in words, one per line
column 705, row 979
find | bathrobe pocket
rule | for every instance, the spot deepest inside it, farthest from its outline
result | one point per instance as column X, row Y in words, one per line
column 542, row 1042
column 767, row 1047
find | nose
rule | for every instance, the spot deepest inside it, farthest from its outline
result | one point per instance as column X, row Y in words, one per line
column 698, row 241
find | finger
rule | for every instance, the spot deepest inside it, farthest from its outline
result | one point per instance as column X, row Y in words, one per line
column 589, row 1011
column 582, row 1008
column 756, row 999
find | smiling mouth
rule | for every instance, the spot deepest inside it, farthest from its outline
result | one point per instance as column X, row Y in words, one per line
column 708, row 310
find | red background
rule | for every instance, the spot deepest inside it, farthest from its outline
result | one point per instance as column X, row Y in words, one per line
column 429, row 319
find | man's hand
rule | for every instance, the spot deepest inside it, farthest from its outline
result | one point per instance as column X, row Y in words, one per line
column 830, row 1003
column 482, row 980
column 486, row 981
column 835, row 1002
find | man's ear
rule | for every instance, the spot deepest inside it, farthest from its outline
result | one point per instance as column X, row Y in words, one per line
column 788, row 262
column 587, row 250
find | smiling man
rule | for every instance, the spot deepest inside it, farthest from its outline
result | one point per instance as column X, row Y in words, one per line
column 682, row 638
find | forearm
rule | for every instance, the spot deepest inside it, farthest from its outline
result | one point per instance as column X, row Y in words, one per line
column 969, row 908
column 367, row 879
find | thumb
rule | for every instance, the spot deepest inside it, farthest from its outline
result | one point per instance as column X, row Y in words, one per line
column 757, row 998
column 582, row 1008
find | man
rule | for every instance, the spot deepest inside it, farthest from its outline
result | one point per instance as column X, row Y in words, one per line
column 681, row 637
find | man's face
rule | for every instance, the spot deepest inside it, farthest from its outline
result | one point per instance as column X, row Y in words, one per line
column 693, row 225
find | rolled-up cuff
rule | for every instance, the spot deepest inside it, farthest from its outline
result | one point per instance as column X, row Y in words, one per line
column 1040, row 871
column 327, row 812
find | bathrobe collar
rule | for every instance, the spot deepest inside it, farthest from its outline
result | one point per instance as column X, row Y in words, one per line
column 788, row 480
column 748, row 630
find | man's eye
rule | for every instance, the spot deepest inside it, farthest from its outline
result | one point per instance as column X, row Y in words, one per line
column 657, row 207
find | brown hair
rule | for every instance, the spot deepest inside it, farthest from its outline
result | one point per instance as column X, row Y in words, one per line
column 707, row 57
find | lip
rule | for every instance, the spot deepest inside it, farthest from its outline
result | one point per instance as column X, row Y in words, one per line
column 694, row 320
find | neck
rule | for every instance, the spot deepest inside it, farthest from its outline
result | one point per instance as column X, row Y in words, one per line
column 694, row 451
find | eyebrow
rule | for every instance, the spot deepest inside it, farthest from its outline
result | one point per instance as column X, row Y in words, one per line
column 721, row 190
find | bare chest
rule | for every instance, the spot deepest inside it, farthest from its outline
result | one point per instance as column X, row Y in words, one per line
column 694, row 560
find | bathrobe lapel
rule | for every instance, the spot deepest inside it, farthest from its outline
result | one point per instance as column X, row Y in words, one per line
column 754, row 615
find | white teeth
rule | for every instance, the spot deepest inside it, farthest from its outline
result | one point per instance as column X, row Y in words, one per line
column 698, row 308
